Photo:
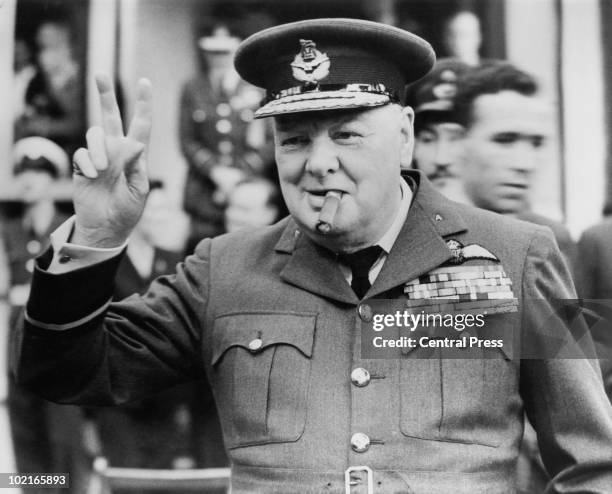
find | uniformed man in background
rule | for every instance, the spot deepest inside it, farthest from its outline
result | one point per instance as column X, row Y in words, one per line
column 219, row 138
column 274, row 317
column 438, row 146
column 45, row 437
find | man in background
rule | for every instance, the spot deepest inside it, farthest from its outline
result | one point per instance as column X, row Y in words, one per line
column 463, row 37
column 506, row 128
column 54, row 96
column 438, row 135
column 46, row 436
column 219, row 138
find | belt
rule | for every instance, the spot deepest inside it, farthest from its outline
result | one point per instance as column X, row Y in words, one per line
column 351, row 480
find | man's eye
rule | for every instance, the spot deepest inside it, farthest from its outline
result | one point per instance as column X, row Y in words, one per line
column 505, row 138
column 346, row 135
column 538, row 141
column 294, row 141
column 425, row 138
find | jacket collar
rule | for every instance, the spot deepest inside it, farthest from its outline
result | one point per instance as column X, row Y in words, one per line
column 419, row 248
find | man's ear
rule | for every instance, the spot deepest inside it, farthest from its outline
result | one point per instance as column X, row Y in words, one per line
column 407, row 136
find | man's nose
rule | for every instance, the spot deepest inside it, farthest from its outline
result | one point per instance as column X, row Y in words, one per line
column 443, row 157
column 322, row 158
column 526, row 158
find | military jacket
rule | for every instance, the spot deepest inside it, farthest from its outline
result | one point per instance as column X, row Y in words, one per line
column 273, row 323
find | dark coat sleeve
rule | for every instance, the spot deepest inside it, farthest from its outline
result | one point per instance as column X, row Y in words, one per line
column 564, row 397
column 595, row 280
column 587, row 277
column 75, row 348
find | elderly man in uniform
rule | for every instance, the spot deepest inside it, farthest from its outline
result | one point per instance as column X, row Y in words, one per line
column 273, row 317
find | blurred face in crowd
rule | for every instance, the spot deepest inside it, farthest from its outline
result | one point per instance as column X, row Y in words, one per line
column 357, row 153
column 437, row 151
column 249, row 206
column 503, row 147
column 53, row 36
column 54, row 60
column 33, row 185
column 462, row 37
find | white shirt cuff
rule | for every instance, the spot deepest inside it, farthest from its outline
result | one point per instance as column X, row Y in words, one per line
column 68, row 257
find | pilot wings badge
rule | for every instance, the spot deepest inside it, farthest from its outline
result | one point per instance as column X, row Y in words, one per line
column 310, row 65
column 463, row 253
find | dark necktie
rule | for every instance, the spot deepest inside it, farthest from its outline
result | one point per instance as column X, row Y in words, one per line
column 360, row 263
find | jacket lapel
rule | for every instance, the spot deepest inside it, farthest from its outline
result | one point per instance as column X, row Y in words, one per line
column 420, row 246
column 312, row 267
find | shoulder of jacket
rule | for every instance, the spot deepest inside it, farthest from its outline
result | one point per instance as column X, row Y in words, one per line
column 482, row 219
column 248, row 239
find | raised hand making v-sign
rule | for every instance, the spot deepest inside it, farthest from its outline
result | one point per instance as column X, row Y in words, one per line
column 110, row 176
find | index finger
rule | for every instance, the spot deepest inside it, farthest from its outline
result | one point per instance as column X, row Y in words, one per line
column 111, row 117
column 140, row 126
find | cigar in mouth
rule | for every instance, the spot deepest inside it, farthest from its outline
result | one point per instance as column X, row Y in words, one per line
column 328, row 211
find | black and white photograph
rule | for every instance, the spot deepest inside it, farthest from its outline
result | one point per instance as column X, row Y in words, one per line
column 306, row 246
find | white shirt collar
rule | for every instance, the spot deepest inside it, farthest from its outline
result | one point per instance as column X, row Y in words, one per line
column 390, row 236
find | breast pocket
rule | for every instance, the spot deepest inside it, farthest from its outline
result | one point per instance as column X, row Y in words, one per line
column 261, row 370
column 465, row 399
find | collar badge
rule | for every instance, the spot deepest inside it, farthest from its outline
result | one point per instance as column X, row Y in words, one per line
column 310, row 65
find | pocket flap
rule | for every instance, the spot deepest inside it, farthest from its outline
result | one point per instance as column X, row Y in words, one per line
column 271, row 328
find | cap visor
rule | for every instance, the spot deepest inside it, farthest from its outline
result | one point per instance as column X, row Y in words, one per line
column 321, row 101
column 433, row 106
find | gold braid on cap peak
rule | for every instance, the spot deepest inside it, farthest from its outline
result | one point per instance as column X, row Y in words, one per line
column 314, row 87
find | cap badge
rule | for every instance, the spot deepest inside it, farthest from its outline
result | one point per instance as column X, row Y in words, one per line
column 310, row 65
column 446, row 88
column 448, row 76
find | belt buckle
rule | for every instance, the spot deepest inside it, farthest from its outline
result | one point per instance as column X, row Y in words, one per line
column 347, row 478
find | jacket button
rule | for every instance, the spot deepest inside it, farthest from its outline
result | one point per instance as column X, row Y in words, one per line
column 360, row 377
column 360, row 442
column 255, row 345
column 365, row 312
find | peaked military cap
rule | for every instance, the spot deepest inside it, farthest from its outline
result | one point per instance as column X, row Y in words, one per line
column 41, row 154
column 221, row 41
column 327, row 64
column 437, row 90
